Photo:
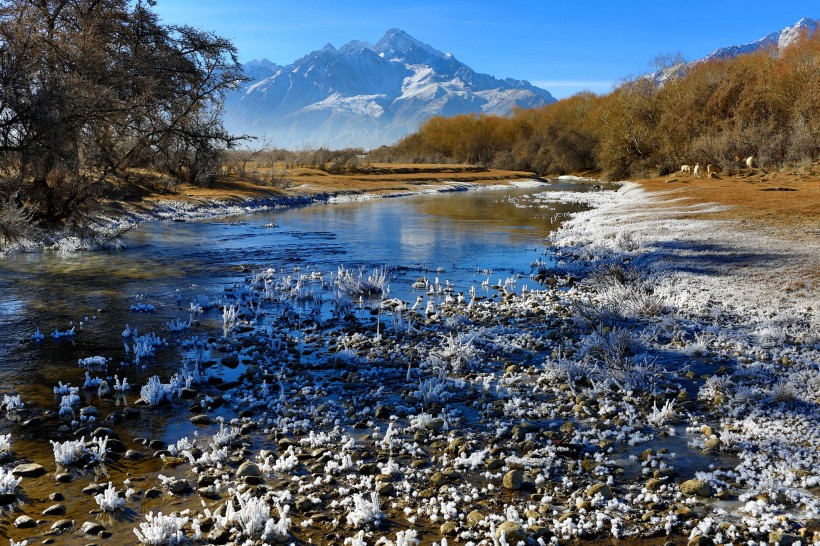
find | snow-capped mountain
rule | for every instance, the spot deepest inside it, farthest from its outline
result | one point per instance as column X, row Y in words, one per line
column 776, row 40
column 366, row 95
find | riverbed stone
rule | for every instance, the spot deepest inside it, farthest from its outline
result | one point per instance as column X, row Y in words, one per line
column 230, row 361
column 200, row 419
column 474, row 518
column 64, row 477
column 25, row 522
column 696, row 487
column 438, row 479
column 511, row 531
column 513, row 480
column 55, row 510
column 179, row 487
column 713, row 442
column 448, row 528
column 92, row 528
column 62, row 524
column 249, row 469
column 29, row 470
column 600, row 489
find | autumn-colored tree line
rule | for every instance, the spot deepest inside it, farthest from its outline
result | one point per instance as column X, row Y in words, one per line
column 765, row 104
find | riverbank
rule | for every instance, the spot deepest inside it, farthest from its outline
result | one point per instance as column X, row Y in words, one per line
column 645, row 390
column 299, row 186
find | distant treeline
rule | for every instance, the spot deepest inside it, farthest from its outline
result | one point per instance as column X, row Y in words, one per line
column 765, row 104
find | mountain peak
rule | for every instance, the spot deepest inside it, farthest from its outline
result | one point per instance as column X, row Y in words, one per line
column 367, row 95
column 779, row 40
column 397, row 42
column 776, row 41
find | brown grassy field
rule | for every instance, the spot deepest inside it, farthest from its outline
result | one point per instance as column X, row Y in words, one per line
column 375, row 179
column 780, row 200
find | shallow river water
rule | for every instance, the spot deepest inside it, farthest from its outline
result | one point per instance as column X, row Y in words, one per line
column 463, row 237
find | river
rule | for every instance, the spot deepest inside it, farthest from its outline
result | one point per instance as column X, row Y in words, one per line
column 465, row 238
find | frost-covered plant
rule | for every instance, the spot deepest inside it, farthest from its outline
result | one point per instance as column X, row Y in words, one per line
column 700, row 346
column 123, row 386
column 215, row 457
column 716, row 384
column 622, row 292
column 459, row 351
column 57, row 334
column 471, row 461
column 433, row 389
column 12, row 403
column 99, row 448
column 65, row 389
column 784, row 391
column 143, row 308
column 161, row 530
column 278, row 528
column 365, row 511
column 178, row 325
column 356, row 540
column 183, row 444
column 229, row 316
column 5, row 444
column 155, row 391
column 661, row 416
column 69, row 452
column 91, row 362
column 613, row 347
column 252, row 516
column 8, row 481
column 226, row 435
column 109, row 500
column 563, row 370
column 361, row 284
column 91, row 382
column 341, row 304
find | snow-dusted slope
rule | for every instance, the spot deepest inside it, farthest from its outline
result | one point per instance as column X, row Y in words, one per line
column 777, row 40
column 366, row 95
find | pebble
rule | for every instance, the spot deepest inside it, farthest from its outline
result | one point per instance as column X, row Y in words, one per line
column 62, row 524
column 29, row 470
column 25, row 522
column 55, row 510
column 511, row 531
column 600, row 489
column 513, row 480
column 696, row 487
column 92, row 528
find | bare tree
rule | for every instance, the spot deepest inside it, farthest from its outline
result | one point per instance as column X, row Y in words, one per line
column 90, row 88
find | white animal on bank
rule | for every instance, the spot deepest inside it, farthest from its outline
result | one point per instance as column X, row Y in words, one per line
column 696, row 170
column 750, row 161
column 686, row 168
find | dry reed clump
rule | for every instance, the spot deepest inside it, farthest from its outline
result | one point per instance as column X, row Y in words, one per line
column 620, row 293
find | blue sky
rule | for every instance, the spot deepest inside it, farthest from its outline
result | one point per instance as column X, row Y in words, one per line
column 564, row 47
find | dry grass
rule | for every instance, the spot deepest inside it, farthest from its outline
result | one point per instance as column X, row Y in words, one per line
column 783, row 204
column 788, row 199
column 376, row 178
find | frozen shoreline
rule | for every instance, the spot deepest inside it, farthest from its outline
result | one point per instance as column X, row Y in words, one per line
column 755, row 274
